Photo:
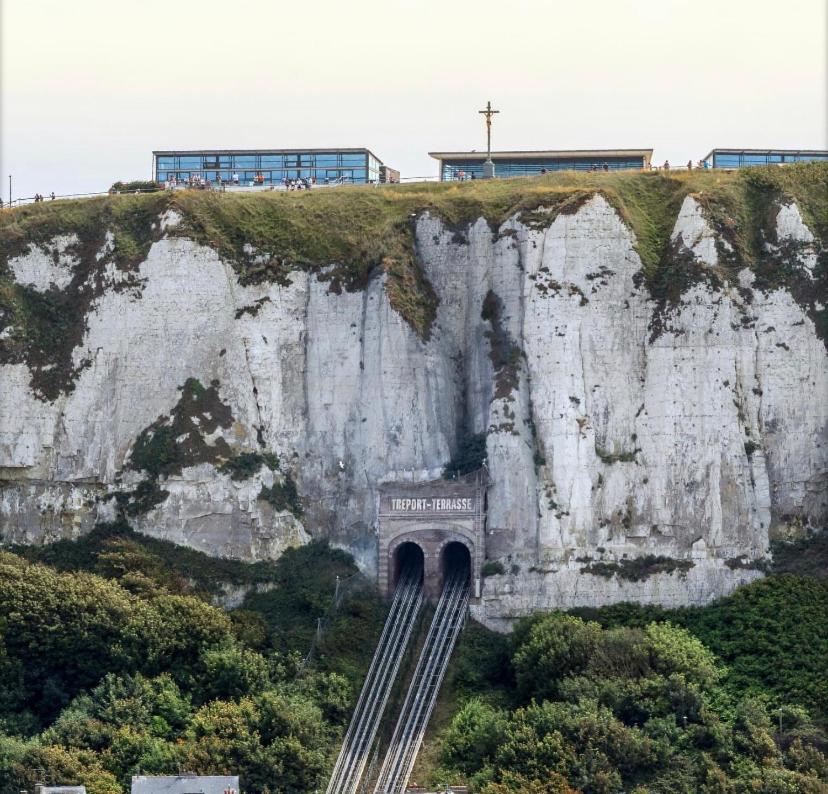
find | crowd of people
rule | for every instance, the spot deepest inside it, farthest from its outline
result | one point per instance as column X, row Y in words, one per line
column 299, row 184
column 198, row 182
column 701, row 164
column 38, row 197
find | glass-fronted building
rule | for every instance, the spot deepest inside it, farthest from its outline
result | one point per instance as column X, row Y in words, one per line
column 468, row 165
column 739, row 158
column 267, row 166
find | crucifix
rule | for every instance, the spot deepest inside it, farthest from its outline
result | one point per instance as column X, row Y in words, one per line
column 488, row 113
column 488, row 166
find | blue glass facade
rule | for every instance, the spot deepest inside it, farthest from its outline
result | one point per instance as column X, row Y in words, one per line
column 268, row 167
column 468, row 165
column 740, row 158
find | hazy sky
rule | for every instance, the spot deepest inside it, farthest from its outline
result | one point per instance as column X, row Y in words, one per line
column 91, row 87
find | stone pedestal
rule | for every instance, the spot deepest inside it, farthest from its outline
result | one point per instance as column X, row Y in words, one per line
column 488, row 170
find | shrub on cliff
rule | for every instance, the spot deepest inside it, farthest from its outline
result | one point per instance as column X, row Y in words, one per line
column 626, row 709
column 61, row 633
column 150, row 681
column 772, row 635
column 135, row 186
column 470, row 456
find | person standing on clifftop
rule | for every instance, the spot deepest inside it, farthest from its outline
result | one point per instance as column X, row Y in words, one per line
column 666, row 165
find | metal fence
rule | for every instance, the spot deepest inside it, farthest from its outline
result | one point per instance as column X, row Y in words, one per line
column 230, row 188
column 31, row 199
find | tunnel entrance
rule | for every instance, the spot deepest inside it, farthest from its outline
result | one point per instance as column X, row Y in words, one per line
column 408, row 556
column 455, row 560
column 437, row 526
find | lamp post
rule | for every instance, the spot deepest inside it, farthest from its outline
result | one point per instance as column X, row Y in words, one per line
column 488, row 166
column 10, row 189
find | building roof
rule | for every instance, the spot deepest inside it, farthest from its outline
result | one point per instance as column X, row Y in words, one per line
column 763, row 151
column 63, row 790
column 184, row 784
column 547, row 153
column 167, row 152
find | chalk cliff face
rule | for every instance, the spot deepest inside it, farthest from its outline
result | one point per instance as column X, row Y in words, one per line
column 618, row 424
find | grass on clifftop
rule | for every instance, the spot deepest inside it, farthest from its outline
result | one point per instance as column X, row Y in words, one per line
column 357, row 226
column 350, row 233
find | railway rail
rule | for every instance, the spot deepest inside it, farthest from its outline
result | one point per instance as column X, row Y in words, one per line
column 422, row 694
column 356, row 747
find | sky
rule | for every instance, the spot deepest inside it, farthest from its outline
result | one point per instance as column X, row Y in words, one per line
column 91, row 87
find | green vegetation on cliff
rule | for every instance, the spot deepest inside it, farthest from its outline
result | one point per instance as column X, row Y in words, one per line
column 129, row 669
column 725, row 698
column 48, row 326
column 349, row 234
column 113, row 660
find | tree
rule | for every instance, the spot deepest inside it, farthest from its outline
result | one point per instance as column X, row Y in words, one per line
column 556, row 645
column 57, row 764
column 473, row 736
column 232, row 672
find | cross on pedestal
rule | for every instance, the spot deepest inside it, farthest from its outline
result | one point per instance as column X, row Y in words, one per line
column 488, row 166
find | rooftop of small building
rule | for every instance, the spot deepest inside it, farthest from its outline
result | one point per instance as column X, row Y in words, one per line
column 300, row 150
column 525, row 154
column 737, row 150
column 184, row 784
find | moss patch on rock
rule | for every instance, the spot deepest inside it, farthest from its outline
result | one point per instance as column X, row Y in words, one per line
column 173, row 442
column 639, row 568
column 283, row 495
column 178, row 440
column 44, row 328
column 246, row 464
column 503, row 350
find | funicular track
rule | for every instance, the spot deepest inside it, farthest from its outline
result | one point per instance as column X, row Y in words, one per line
column 356, row 747
column 422, row 694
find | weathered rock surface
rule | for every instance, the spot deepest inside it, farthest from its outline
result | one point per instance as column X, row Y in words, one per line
column 611, row 435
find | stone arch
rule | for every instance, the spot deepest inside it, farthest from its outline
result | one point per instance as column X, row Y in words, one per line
column 454, row 555
column 432, row 541
column 405, row 552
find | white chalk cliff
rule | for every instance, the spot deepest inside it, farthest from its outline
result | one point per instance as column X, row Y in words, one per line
column 608, row 437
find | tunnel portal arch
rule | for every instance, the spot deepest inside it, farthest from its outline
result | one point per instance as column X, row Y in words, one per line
column 455, row 557
column 407, row 555
column 443, row 520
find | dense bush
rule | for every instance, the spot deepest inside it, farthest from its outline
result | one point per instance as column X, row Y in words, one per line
column 98, row 682
column 117, row 663
column 136, row 185
column 771, row 634
column 470, row 456
column 646, row 707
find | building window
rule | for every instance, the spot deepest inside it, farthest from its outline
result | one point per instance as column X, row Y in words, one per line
column 274, row 168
